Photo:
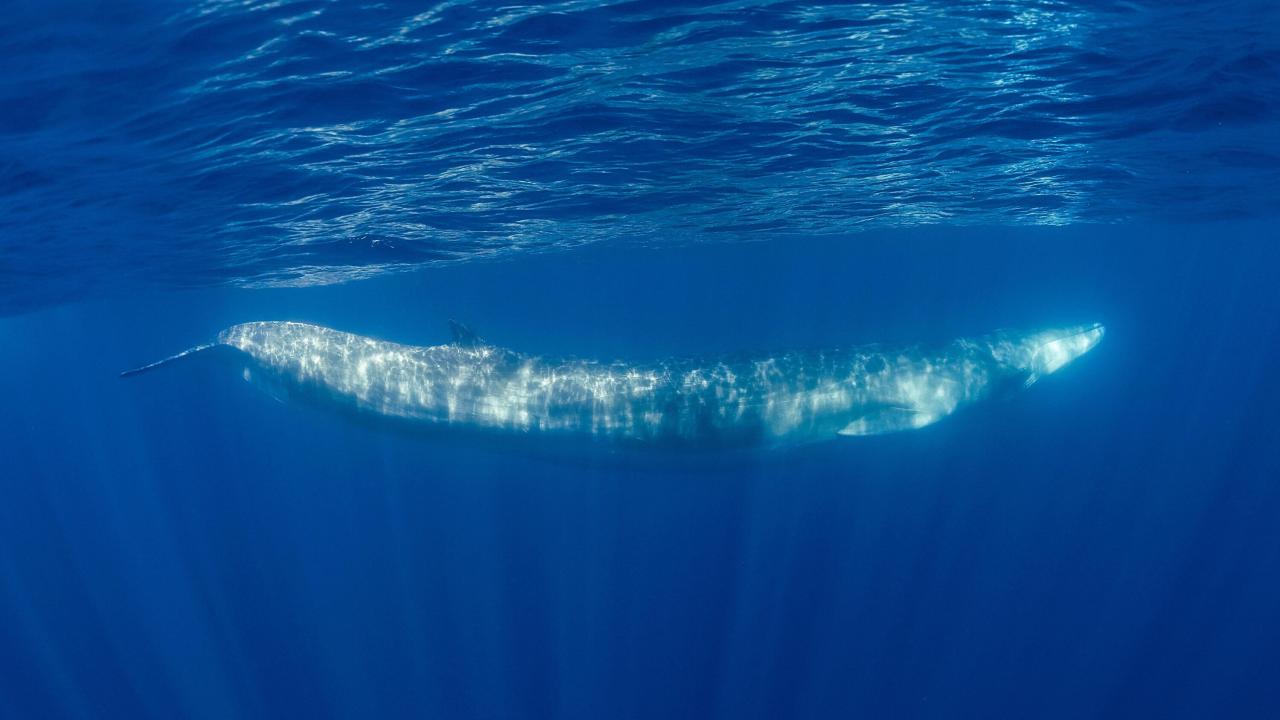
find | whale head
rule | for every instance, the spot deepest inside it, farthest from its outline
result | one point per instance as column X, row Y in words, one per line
column 1035, row 355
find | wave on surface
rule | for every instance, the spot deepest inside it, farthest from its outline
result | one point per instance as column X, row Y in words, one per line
column 297, row 143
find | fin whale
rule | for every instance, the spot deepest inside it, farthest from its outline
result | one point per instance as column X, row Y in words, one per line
column 767, row 400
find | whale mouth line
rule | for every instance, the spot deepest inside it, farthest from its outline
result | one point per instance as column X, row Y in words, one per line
column 1094, row 327
column 1098, row 328
column 1054, row 353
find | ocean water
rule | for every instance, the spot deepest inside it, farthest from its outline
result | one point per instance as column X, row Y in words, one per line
column 639, row 180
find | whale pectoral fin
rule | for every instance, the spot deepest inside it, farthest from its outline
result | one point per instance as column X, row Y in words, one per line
column 462, row 335
column 888, row 419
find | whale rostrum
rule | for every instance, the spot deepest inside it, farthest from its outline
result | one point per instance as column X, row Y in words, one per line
column 776, row 399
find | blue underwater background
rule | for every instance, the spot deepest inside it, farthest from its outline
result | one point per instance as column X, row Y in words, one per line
column 638, row 180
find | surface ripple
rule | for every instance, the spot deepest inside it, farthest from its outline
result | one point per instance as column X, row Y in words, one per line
column 293, row 143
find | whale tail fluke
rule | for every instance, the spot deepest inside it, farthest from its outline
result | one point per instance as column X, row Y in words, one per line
column 166, row 361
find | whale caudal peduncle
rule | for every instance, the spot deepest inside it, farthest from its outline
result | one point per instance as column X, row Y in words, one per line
column 166, row 361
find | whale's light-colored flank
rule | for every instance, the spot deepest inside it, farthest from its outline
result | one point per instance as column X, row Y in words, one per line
column 769, row 400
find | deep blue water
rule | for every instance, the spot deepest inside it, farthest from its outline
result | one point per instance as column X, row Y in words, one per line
column 635, row 181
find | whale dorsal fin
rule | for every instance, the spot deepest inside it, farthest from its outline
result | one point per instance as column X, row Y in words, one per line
column 462, row 335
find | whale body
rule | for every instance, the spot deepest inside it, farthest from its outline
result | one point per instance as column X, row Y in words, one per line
column 767, row 400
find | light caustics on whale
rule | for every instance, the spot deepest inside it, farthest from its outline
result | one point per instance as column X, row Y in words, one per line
column 772, row 400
